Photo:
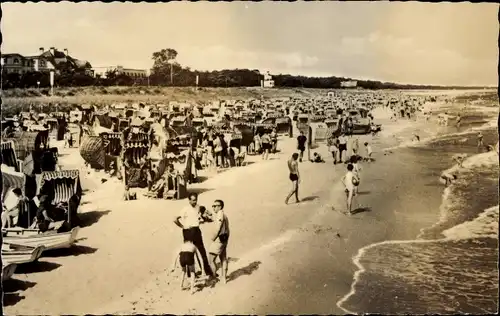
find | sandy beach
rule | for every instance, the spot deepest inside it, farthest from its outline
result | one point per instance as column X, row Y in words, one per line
column 270, row 241
column 282, row 257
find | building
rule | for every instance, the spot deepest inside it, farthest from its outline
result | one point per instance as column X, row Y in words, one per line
column 50, row 60
column 133, row 73
column 19, row 64
column 268, row 81
column 349, row 84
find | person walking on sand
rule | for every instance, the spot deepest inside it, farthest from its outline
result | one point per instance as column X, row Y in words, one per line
column 266, row 145
column 334, row 149
column 356, row 171
column 301, row 145
column 218, row 248
column 350, row 182
column 355, row 146
column 293, row 167
column 189, row 220
column 185, row 256
column 369, row 152
column 342, row 146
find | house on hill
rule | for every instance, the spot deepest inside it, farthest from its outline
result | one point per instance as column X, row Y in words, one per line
column 51, row 60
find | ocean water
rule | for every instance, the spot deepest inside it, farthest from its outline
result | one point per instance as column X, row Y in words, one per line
column 451, row 266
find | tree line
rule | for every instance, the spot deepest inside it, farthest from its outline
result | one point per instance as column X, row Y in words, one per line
column 166, row 71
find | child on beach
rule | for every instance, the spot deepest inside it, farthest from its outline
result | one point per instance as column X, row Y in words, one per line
column 186, row 259
column 350, row 182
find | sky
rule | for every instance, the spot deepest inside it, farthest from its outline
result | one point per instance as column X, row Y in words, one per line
column 418, row 43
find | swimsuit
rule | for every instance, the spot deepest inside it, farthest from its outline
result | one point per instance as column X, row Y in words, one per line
column 186, row 260
column 294, row 177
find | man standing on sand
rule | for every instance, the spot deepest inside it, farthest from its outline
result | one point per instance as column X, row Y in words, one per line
column 293, row 167
column 301, row 144
column 189, row 221
column 350, row 182
column 218, row 248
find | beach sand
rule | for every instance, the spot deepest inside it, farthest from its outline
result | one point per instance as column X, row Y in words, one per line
column 120, row 263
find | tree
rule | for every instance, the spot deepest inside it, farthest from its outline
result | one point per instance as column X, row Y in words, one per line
column 163, row 60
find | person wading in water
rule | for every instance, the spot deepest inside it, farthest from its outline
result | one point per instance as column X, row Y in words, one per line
column 293, row 166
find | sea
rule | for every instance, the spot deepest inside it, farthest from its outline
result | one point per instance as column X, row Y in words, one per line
column 451, row 266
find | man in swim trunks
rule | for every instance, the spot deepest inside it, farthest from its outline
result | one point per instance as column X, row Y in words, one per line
column 293, row 167
column 218, row 249
column 301, row 144
column 342, row 146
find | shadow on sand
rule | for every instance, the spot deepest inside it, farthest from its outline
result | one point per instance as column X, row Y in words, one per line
column 361, row 210
column 89, row 218
column 364, row 192
column 75, row 250
column 247, row 270
column 10, row 287
column 198, row 190
column 36, row 267
column 201, row 179
column 310, row 198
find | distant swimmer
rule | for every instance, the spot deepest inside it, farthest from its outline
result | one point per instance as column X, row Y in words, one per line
column 350, row 182
column 459, row 121
column 459, row 159
column 448, row 178
column 293, row 167
column 480, row 137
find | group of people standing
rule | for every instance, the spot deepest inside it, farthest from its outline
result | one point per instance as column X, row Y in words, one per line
column 265, row 143
column 189, row 220
column 213, row 150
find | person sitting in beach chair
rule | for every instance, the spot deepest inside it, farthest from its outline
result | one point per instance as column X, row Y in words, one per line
column 170, row 178
column 11, row 208
column 185, row 257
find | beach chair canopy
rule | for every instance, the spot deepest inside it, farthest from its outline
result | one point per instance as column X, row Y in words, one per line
column 61, row 186
column 11, row 179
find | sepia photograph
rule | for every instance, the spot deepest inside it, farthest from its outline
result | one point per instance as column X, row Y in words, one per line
column 214, row 158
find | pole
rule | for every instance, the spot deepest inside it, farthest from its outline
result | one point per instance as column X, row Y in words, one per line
column 171, row 74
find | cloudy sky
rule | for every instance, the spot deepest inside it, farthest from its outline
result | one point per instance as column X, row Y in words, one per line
column 421, row 43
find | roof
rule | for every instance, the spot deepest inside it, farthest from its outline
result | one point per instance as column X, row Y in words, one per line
column 12, row 54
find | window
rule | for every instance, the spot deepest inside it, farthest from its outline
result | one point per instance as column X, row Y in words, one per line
column 42, row 63
column 16, row 61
